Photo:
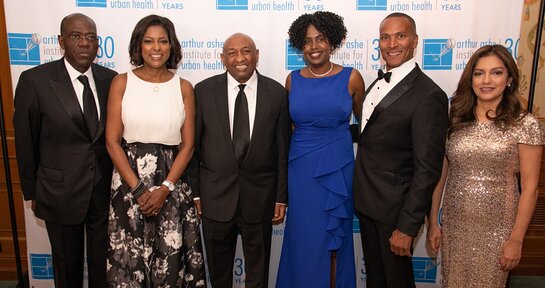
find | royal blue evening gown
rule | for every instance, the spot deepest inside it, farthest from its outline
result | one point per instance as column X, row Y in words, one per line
column 320, row 205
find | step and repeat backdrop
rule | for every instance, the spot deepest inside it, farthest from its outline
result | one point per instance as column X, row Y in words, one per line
column 449, row 33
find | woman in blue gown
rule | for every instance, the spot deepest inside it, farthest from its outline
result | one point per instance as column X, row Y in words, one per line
column 318, row 249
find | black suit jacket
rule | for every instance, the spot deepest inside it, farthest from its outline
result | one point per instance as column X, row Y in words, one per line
column 400, row 153
column 215, row 174
column 58, row 161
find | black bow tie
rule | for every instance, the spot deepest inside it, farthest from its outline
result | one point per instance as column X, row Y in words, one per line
column 386, row 76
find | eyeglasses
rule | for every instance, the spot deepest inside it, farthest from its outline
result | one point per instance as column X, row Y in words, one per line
column 78, row 37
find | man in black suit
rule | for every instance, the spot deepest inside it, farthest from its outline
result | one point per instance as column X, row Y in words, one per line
column 240, row 163
column 400, row 152
column 63, row 164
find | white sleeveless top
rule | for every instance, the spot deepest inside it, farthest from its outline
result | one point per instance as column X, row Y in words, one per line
column 152, row 112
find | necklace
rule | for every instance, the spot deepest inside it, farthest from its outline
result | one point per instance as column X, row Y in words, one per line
column 153, row 83
column 324, row 74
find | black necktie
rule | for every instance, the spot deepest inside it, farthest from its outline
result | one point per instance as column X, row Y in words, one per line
column 89, row 107
column 241, row 126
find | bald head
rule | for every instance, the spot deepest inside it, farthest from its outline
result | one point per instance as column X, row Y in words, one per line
column 75, row 16
column 238, row 37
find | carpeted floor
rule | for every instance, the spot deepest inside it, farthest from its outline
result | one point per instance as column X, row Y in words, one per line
column 527, row 282
column 516, row 282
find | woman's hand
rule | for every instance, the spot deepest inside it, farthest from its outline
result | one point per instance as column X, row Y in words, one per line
column 434, row 237
column 510, row 254
column 152, row 201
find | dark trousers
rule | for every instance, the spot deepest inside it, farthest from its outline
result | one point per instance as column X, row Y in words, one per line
column 220, row 240
column 67, row 244
column 384, row 269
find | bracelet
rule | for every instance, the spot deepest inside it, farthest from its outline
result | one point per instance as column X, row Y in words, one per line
column 139, row 189
column 167, row 183
column 171, row 187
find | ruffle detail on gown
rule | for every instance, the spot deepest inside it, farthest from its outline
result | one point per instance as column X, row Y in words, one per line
column 309, row 143
column 333, row 158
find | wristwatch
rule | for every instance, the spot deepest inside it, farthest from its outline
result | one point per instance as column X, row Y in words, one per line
column 169, row 185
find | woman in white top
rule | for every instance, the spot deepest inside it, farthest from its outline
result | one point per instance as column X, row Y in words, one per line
column 153, row 225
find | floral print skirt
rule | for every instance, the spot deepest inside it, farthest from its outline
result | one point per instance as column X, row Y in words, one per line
column 164, row 250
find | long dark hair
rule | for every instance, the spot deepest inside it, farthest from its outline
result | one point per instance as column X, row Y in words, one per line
column 135, row 46
column 463, row 103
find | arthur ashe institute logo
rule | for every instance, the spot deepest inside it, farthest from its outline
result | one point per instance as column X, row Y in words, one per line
column 425, row 269
column 371, row 4
column 294, row 58
column 231, row 4
column 24, row 49
column 438, row 54
column 355, row 224
column 42, row 266
column 91, row 3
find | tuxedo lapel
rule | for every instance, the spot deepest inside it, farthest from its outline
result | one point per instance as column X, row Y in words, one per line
column 64, row 90
column 260, row 108
column 102, row 91
column 399, row 90
column 222, row 106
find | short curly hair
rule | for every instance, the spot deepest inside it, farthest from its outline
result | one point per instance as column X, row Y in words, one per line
column 135, row 45
column 327, row 23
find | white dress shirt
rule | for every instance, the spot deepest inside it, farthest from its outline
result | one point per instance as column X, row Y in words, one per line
column 382, row 88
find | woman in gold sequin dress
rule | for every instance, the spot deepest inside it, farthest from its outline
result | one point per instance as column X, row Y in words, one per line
column 491, row 140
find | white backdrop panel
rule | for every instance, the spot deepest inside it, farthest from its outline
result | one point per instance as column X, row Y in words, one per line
column 449, row 32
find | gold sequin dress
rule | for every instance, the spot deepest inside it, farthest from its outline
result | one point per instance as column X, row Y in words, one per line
column 481, row 199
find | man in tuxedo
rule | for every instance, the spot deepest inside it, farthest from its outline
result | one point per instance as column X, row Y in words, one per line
column 65, row 170
column 400, row 151
column 240, row 162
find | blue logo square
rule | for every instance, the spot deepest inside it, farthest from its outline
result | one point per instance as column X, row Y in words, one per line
column 294, row 58
column 425, row 269
column 376, row 5
column 437, row 54
column 41, row 266
column 231, row 4
column 24, row 49
column 91, row 3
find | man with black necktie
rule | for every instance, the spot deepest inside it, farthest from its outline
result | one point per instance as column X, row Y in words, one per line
column 65, row 170
column 239, row 168
column 400, row 152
